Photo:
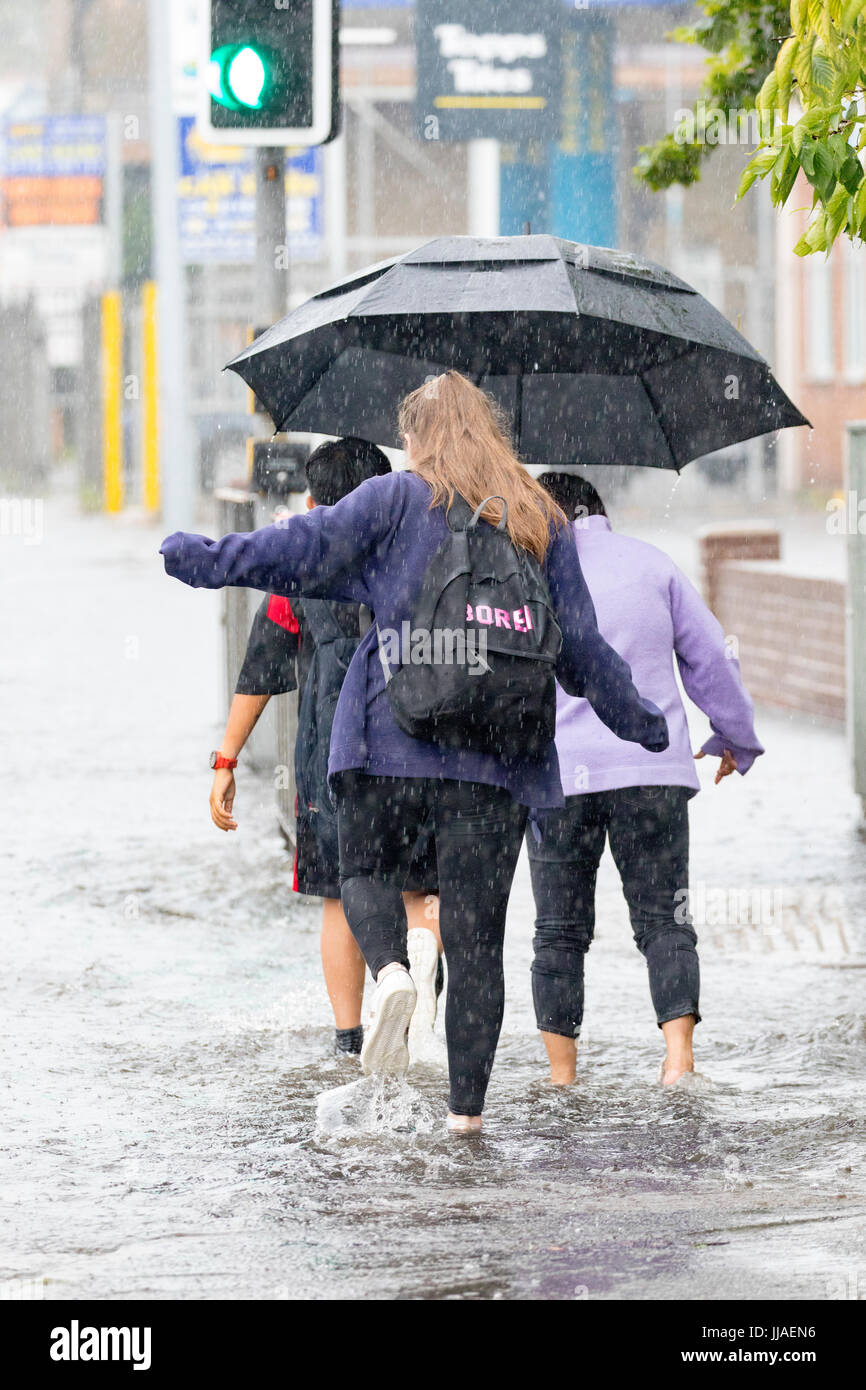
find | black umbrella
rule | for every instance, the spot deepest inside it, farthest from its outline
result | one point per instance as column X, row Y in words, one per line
column 595, row 357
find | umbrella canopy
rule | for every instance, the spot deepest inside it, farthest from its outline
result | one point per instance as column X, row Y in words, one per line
column 595, row 357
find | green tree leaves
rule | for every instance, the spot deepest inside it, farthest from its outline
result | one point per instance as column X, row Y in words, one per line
column 743, row 37
column 824, row 66
column 802, row 67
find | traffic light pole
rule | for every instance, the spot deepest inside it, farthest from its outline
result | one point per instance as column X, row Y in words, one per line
column 272, row 252
column 270, row 304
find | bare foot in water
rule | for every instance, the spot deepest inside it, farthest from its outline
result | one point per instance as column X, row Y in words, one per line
column 463, row 1124
column 672, row 1072
column 678, row 1040
column 562, row 1056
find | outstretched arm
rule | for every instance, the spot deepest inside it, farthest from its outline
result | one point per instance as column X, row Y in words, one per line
column 711, row 676
column 588, row 665
column 320, row 553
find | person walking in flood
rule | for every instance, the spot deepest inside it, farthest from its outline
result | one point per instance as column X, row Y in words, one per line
column 478, row 770
column 307, row 646
column 615, row 792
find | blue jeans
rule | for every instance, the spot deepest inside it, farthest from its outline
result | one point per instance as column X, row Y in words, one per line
column 648, row 830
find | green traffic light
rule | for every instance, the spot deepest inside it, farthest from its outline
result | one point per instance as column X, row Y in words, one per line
column 270, row 69
column 237, row 77
column 246, row 77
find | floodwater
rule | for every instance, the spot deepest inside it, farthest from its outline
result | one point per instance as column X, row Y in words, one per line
column 172, row 1121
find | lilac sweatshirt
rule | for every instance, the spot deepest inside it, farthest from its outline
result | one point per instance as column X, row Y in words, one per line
column 648, row 611
column 373, row 547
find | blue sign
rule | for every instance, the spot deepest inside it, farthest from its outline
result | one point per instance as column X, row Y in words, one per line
column 488, row 68
column 217, row 201
column 54, row 147
column 583, row 190
column 569, row 187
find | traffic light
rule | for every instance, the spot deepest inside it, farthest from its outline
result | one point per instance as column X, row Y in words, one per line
column 271, row 72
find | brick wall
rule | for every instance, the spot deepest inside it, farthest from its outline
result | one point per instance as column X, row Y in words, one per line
column 789, row 627
column 740, row 540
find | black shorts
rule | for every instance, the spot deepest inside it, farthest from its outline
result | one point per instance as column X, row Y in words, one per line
column 318, row 875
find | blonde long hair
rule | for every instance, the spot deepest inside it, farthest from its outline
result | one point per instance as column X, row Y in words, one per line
column 459, row 445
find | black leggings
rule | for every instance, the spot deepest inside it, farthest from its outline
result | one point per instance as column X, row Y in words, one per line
column 648, row 828
column 478, row 832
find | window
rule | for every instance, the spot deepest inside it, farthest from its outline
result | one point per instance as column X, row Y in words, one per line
column 855, row 311
column 819, row 318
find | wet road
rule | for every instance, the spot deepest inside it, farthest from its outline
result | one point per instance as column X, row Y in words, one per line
column 172, row 1123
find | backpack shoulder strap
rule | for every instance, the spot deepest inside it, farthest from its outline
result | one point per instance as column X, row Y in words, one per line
column 502, row 523
column 459, row 514
column 461, row 517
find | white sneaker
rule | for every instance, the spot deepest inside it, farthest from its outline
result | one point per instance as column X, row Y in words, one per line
column 423, row 964
column 385, row 1047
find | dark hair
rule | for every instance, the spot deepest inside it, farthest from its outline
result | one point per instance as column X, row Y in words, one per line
column 575, row 495
column 336, row 468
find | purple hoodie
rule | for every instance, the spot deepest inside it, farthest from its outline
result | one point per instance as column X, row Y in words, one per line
column 650, row 613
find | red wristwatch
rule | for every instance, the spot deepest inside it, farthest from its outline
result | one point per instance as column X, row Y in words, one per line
column 217, row 761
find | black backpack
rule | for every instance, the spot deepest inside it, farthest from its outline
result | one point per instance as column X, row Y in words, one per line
column 474, row 668
column 333, row 650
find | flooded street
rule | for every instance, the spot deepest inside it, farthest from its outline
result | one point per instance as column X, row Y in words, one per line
column 169, row 1126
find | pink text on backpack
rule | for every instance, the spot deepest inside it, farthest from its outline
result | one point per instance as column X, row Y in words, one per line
column 520, row 620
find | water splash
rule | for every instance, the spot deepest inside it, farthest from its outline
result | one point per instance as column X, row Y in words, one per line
column 374, row 1105
column 693, row 1081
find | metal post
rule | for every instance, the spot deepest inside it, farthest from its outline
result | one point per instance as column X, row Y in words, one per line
column 366, row 173
column 276, row 731
column 116, row 460
column 114, row 199
column 856, row 602
column 180, row 481
column 674, row 194
column 483, row 175
column 149, row 398
column 336, row 207
column 272, row 251
column 112, row 401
